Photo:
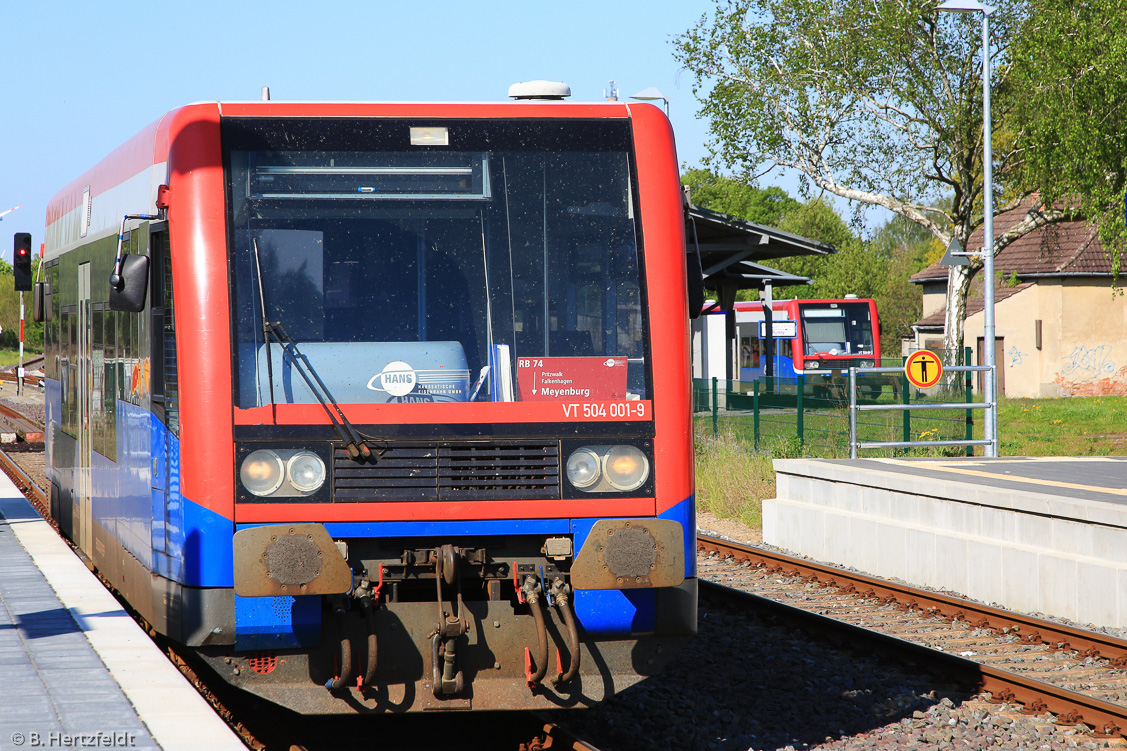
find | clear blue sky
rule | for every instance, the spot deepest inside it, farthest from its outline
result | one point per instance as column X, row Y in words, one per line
column 79, row 78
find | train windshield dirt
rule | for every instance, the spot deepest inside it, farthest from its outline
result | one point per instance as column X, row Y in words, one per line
column 502, row 266
column 837, row 328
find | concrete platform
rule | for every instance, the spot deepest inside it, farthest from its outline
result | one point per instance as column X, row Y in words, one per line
column 1044, row 535
column 75, row 669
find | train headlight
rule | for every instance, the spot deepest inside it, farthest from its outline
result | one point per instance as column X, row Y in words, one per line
column 607, row 469
column 306, row 471
column 626, row 467
column 262, row 472
column 583, row 468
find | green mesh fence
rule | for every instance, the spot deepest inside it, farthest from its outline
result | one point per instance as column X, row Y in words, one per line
column 809, row 415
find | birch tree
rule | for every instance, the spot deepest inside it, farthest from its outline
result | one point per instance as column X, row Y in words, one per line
column 1070, row 63
column 876, row 101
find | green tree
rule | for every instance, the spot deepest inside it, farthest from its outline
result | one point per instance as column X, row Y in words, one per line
column 766, row 206
column 878, row 269
column 1070, row 63
column 905, row 248
column 876, row 102
column 900, row 233
column 833, row 276
column 818, row 220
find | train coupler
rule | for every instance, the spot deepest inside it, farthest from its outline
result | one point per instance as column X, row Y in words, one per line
column 447, row 679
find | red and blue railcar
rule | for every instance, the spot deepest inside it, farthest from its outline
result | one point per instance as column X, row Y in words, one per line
column 382, row 407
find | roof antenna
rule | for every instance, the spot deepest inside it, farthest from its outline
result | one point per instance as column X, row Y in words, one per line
column 266, row 93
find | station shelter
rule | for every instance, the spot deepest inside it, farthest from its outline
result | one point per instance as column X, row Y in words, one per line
column 731, row 253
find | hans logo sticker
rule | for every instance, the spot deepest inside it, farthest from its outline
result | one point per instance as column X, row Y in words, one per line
column 397, row 378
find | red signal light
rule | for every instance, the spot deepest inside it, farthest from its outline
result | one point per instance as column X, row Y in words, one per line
column 21, row 261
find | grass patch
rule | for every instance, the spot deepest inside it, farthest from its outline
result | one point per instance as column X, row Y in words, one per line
column 733, row 479
column 1076, row 426
column 11, row 357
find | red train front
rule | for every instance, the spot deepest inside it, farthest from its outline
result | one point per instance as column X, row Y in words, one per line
column 402, row 419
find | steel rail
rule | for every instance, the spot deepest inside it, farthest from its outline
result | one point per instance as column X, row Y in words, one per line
column 1070, row 707
column 552, row 736
column 29, row 380
column 25, row 484
column 1028, row 628
column 31, row 431
column 542, row 733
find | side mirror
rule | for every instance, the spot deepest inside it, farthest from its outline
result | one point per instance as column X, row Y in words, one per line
column 130, row 286
column 38, row 298
column 695, row 277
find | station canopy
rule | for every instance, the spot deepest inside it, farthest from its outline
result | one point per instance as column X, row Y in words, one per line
column 732, row 251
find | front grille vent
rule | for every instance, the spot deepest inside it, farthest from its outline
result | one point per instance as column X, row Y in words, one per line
column 456, row 471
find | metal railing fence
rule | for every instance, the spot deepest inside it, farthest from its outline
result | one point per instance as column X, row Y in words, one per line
column 906, row 408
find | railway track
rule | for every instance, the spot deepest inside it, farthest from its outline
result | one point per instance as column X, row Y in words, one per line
column 11, row 376
column 1079, row 676
column 25, row 429
column 29, row 381
column 1076, row 675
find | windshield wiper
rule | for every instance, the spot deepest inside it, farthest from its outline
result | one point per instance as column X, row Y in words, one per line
column 353, row 443
column 355, row 446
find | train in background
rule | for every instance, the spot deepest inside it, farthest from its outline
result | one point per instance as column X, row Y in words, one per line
column 818, row 339
column 383, row 407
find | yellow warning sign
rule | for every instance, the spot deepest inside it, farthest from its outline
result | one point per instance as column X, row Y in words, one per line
column 923, row 368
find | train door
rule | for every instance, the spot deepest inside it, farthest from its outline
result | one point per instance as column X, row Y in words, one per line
column 85, row 387
column 750, row 351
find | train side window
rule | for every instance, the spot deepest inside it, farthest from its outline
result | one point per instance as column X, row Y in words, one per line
column 127, row 355
column 70, row 389
column 98, row 417
column 109, row 383
column 749, row 352
column 50, row 323
column 64, row 370
column 784, row 348
column 163, row 372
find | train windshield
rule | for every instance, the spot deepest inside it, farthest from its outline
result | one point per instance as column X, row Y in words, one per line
column 837, row 328
column 436, row 261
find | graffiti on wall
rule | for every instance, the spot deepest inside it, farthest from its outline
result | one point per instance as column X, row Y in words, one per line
column 1089, row 363
column 1091, row 371
column 1016, row 356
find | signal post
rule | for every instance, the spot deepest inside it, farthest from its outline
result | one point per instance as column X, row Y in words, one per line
column 21, row 269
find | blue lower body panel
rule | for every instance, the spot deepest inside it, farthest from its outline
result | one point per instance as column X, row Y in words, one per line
column 605, row 612
column 277, row 622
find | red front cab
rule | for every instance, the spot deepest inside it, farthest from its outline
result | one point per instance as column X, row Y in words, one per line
column 197, row 167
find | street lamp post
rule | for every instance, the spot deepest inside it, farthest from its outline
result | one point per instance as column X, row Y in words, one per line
column 990, row 418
